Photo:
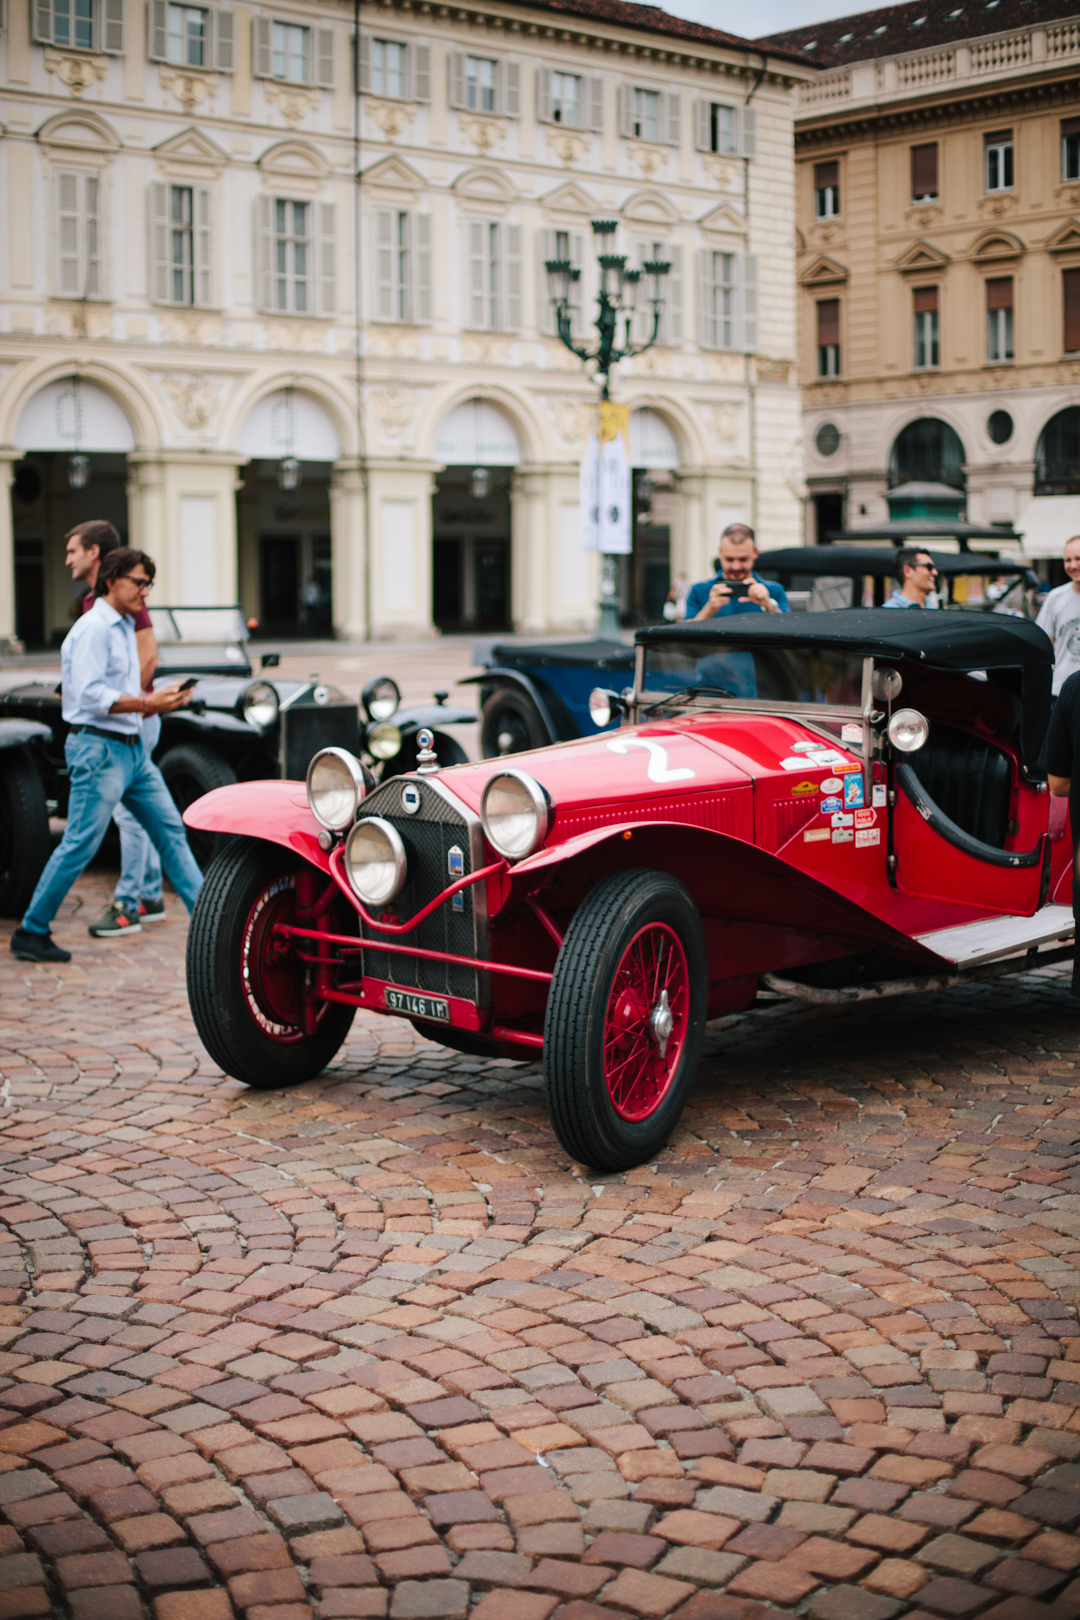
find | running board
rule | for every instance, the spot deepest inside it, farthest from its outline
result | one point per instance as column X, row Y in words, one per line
column 992, row 938
column 793, row 990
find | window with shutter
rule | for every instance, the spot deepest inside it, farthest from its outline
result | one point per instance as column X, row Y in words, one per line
column 718, row 299
column 43, row 22
column 180, row 34
column 999, row 318
column 388, row 73
column 512, row 307
column 481, row 88
column 569, row 246
column 324, row 58
column 702, row 126
column 924, row 173
column 1071, row 288
column 384, row 263
column 998, row 160
column 1070, row 148
column 749, row 311
column 77, row 23
column 422, row 303
column 477, row 272
column 159, row 242
column 673, row 119
column 511, row 89
column 596, row 105
column 77, row 234
column 828, row 337
column 626, row 110
column 158, row 41
column 224, row 41
column 545, row 113
column 264, row 63
column 291, row 52
column 112, row 26
column 748, row 131
column 421, row 72
column 326, row 213
column 264, row 252
column 457, row 79
column 204, row 262
column 827, row 190
column 926, row 327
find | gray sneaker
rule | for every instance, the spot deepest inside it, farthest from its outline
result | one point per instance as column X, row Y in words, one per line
column 115, row 921
column 152, row 910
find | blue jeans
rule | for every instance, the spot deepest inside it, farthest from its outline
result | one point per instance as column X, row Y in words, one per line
column 140, row 868
column 104, row 774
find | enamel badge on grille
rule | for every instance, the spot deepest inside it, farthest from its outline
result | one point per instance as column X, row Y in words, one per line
column 410, row 798
column 455, row 865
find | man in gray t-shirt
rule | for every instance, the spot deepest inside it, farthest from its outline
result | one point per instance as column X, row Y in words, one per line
column 1059, row 616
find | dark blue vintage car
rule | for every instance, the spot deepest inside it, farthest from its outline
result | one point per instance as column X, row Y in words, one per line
column 534, row 695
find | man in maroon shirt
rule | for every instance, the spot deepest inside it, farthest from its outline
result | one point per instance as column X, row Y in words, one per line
column 138, row 897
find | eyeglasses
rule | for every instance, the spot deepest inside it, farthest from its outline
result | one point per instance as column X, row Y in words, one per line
column 930, row 566
column 145, row 585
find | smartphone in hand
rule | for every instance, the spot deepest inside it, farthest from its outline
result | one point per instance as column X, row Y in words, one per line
column 185, row 686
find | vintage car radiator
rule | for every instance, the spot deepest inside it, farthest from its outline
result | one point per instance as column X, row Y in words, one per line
column 442, row 841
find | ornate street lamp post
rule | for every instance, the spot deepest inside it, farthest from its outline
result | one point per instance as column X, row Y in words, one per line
column 617, row 301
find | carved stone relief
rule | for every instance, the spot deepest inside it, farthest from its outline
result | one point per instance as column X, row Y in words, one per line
column 572, row 418
column 390, row 116
column 293, row 101
column 723, row 421
column 483, row 132
column 188, row 326
column 194, row 397
column 648, row 158
column 396, row 406
column 77, row 72
column 726, row 173
column 286, row 334
column 568, row 146
column 190, row 89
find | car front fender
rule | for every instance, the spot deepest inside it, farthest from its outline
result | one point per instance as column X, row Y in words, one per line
column 552, row 712
column 276, row 812
column 17, row 733
column 729, row 880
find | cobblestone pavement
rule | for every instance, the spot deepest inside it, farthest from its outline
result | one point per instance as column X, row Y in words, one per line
column 375, row 1347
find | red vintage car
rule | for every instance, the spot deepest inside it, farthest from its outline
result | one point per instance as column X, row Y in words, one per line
column 832, row 806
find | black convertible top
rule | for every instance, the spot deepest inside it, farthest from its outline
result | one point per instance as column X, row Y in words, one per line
column 878, row 560
column 602, row 654
column 953, row 641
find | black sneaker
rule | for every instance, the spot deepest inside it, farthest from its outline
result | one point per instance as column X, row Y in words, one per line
column 29, row 947
column 114, row 921
column 152, row 910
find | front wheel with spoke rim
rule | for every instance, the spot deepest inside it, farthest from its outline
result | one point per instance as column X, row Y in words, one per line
column 625, row 1019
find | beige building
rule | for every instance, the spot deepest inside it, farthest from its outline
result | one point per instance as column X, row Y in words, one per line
column 939, row 262
column 193, row 287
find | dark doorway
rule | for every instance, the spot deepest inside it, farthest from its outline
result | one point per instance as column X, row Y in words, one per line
column 30, row 592
column 43, row 508
column 646, row 573
column 287, row 532
column 471, row 527
column 828, row 515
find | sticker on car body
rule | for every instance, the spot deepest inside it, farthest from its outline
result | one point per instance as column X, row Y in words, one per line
column 842, row 820
column 853, row 793
column 805, row 787
column 816, row 835
column 842, row 835
column 659, row 770
column 827, row 806
column 831, row 784
column 877, row 797
column 865, row 818
column 868, row 836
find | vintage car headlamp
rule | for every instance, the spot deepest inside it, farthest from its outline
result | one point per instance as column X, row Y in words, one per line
column 908, row 730
column 515, row 814
column 335, row 787
column 384, row 740
column 380, row 698
column 603, row 707
column 260, row 705
column 375, row 861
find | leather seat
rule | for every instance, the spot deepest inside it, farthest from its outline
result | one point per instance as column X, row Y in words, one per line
column 969, row 779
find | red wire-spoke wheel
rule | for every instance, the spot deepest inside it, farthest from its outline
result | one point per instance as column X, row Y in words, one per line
column 246, row 981
column 625, row 1018
column 646, row 1022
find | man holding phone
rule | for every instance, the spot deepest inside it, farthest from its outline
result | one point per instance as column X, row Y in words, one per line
column 105, row 705
column 736, row 588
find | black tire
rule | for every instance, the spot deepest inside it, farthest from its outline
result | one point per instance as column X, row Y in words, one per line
column 233, row 1019
column 190, row 770
column 24, row 830
column 582, row 1005
column 510, row 723
column 457, row 1040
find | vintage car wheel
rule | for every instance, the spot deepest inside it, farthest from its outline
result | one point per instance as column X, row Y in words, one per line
column 24, row 831
column 510, row 723
column 625, row 1018
column 190, row 771
column 244, row 985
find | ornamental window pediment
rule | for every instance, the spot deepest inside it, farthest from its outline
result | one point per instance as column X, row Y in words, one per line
column 921, row 257
column 823, row 272
column 650, row 208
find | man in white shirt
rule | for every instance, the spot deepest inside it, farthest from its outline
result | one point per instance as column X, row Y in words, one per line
column 1059, row 616
column 104, row 706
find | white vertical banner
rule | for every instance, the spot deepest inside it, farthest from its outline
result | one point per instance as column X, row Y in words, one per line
column 589, row 494
column 615, row 498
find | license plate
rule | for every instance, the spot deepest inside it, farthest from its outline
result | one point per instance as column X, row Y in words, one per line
column 418, row 1006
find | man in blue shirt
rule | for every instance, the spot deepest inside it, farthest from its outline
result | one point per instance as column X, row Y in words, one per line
column 736, row 588
column 104, row 706
column 916, row 577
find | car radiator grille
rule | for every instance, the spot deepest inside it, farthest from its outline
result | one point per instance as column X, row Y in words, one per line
column 429, row 836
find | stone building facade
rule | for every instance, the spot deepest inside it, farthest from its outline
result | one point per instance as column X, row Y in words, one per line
column 938, row 158
column 194, row 287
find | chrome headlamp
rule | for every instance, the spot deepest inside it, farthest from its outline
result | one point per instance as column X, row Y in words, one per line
column 335, row 787
column 380, row 698
column 384, row 740
column 260, row 705
column 515, row 814
column 908, row 730
column 375, row 861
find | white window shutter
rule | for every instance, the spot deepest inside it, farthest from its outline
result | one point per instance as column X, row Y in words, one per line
column 420, row 62
column 43, row 21
column 748, row 122
column 204, row 247
column 673, row 299
column 264, row 251
column 545, row 319
column 324, row 58
column 112, row 27
column 703, row 126
column 160, row 291
column 512, row 90
column 457, row 78
column 326, row 213
column 264, row 63
column 476, row 277
column 91, row 219
column 626, row 110
column 749, row 302
column 365, row 65
column 384, row 264
column 706, row 326
column 595, row 88
column 224, row 40
column 673, row 121
column 514, row 279
column 158, row 37
column 67, row 235
column 577, row 290
column 543, row 97
column 422, row 309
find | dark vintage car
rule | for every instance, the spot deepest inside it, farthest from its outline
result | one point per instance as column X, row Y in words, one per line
column 832, row 806
column 534, row 695
column 24, row 814
column 240, row 728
